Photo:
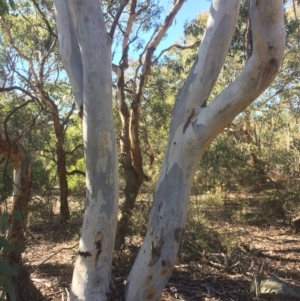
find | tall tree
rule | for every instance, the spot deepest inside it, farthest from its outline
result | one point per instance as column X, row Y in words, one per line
column 85, row 48
column 29, row 45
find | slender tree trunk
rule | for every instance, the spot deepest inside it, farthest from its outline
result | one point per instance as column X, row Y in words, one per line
column 132, row 164
column 88, row 64
column 24, row 287
column 62, row 173
column 60, row 156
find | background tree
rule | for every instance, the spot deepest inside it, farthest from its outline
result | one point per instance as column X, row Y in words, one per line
column 29, row 45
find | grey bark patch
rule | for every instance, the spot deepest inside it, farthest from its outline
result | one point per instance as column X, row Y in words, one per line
column 171, row 189
column 199, row 129
column 107, row 187
column 212, row 66
column 173, row 192
column 178, row 114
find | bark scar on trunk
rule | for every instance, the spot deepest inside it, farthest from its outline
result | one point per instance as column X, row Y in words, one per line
column 98, row 244
column 160, row 204
column 267, row 71
column 85, row 254
column 188, row 120
column 151, row 293
column 166, row 264
column 156, row 250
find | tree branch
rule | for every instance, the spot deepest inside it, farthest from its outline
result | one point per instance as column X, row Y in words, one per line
column 117, row 17
column 76, row 172
column 151, row 47
column 45, row 20
column 182, row 47
column 73, row 150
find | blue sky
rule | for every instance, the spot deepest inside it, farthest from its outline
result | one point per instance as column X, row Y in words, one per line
column 189, row 10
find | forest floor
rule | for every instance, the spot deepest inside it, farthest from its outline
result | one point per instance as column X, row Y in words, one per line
column 218, row 259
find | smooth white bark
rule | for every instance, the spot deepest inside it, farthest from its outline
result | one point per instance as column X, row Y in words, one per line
column 69, row 47
column 157, row 256
column 92, row 273
column 193, row 127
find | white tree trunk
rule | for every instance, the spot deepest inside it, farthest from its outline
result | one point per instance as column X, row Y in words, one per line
column 193, row 127
column 92, row 273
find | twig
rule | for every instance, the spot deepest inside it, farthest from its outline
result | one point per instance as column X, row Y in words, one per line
column 233, row 266
column 65, row 248
column 178, row 46
column 182, row 286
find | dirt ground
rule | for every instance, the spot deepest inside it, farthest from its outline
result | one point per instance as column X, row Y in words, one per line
column 223, row 274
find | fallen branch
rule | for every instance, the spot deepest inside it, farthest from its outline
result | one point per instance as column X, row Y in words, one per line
column 260, row 253
column 170, row 284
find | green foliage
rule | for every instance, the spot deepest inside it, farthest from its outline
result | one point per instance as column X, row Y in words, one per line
column 6, row 6
column 76, row 182
column 140, row 218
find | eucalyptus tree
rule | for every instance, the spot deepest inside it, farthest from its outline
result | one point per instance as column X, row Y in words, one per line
column 85, row 48
column 29, row 47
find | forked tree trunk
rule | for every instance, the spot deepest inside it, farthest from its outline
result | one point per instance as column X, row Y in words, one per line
column 193, row 127
column 85, row 50
column 88, row 64
column 24, row 287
